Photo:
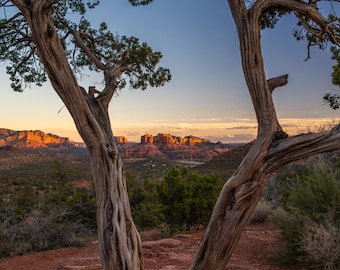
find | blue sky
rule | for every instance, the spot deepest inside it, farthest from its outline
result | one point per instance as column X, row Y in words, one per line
column 207, row 96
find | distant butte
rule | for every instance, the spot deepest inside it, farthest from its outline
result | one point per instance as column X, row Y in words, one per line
column 173, row 147
column 161, row 145
column 32, row 139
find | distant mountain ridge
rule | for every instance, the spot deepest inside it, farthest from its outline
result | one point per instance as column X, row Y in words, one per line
column 32, row 139
column 173, row 147
column 161, row 145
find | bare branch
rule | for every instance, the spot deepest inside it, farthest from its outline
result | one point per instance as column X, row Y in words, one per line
column 306, row 13
column 301, row 146
column 277, row 82
column 10, row 20
column 112, row 74
column 93, row 91
column 51, row 2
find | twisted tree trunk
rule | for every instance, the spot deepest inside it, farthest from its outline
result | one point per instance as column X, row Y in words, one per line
column 272, row 148
column 119, row 241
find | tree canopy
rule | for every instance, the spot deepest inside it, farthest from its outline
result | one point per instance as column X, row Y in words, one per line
column 123, row 60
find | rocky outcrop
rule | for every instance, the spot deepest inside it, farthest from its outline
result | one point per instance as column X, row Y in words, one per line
column 173, row 147
column 166, row 139
column 121, row 139
column 32, row 139
column 162, row 145
column 147, row 138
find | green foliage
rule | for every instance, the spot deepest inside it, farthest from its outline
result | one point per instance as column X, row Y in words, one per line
column 145, row 205
column 24, row 198
column 140, row 2
column 188, row 198
column 137, row 62
column 333, row 99
column 61, row 170
column 336, row 68
column 80, row 203
column 316, row 193
column 291, row 226
column 312, row 202
column 272, row 16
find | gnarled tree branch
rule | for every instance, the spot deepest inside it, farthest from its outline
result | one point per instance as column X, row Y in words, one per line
column 277, row 82
column 301, row 146
column 88, row 52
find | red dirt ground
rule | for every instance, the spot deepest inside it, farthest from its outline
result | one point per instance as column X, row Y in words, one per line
column 253, row 252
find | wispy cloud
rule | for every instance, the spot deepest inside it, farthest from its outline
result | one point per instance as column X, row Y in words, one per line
column 238, row 130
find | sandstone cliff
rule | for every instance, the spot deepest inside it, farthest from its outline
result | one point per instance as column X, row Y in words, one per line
column 161, row 145
column 166, row 139
column 32, row 139
column 173, row 147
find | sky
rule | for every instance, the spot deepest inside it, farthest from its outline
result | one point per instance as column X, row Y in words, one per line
column 207, row 96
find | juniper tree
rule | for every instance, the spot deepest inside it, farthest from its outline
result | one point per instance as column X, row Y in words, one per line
column 39, row 41
column 36, row 39
column 273, row 148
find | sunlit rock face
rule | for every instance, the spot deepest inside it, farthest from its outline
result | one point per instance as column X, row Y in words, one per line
column 32, row 139
column 121, row 139
column 147, row 138
column 174, row 147
column 162, row 145
column 166, row 139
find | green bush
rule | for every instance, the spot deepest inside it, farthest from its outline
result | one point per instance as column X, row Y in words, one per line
column 187, row 197
column 144, row 202
column 316, row 193
column 82, row 207
column 311, row 222
column 261, row 213
column 291, row 226
column 80, row 203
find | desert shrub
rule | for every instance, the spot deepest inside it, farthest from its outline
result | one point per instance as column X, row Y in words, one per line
column 291, row 226
column 80, row 203
column 145, row 206
column 61, row 170
column 316, row 193
column 44, row 232
column 312, row 204
column 187, row 197
column 10, row 215
column 275, row 191
column 24, row 198
column 320, row 246
column 261, row 213
column 37, row 231
column 82, row 207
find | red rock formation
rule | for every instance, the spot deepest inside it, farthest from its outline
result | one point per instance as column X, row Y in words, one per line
column 121, row 139
column 147, row 138
column 174, row 147
column 161, row 145
column 166, row 139
column 32, row 139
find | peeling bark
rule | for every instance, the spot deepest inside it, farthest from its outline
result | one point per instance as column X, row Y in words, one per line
column 272, row 149
column 119, row 241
